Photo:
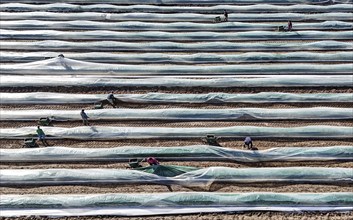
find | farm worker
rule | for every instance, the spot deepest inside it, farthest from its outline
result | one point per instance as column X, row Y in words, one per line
column 41, row 136
column 111, row 99
column 248, row 143
column 225, row 15
column 289, row 26
column 84, row 117
column 152, row 161
column 49, row 120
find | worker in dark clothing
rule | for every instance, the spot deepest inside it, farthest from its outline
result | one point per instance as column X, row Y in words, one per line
column 41, row 136
column 111, row 99
column 225, row 15
column 248, row 143
column 289, row 26
column 84, row 117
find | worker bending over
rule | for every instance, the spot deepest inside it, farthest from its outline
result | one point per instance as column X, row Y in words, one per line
column 41, row 136
column 248, row 143
column 225, row 15
column 84, row 117
column 111, row 99
column 289, row 26
column 152, row 161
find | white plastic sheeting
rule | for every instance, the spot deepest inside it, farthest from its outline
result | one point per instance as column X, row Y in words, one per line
column 162, row 98
column 179, row 26
column 183, row 114
column 186, row 153
column 75, row 67
column 66, row 7
column 203, row 177
column 208, row 176
column 188, row 2
column 176, row 17
column 142, row 204
column 197, row 58
column 173, row 46
column 168, row 36
column 75, row 176
column 49, row 98
column 116, row 133
column 228, row 82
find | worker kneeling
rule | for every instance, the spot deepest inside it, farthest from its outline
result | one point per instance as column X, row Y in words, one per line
column 286, row 28
column 135, row 163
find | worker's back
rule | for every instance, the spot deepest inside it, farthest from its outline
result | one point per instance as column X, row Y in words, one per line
column 152, row 161
column 40, row 131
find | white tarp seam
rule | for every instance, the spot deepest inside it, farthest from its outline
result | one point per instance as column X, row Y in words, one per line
column 172, row 153
column 67, row 7
column 203, row 177
column 174, row 17
column 197, row 2
column 168, row 36
column 196, row 58
column 170, row 203
column 116, row 133
column 76, row 67
column 179, row 26
column 162, row 98
column 182, row 114
column 163, row 46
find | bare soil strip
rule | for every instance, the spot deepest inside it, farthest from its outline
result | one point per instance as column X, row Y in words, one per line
column 216, row 216
column 178, row 90
column 184, row 105
column 201, row 164
column 136, row 188
column 235, row 143
column 174, row 124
